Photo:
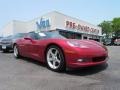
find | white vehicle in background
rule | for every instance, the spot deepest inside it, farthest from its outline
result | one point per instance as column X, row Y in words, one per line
column 117, row 41
column 0, row 43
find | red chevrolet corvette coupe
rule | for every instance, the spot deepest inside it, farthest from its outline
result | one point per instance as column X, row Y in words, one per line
column 59, row 52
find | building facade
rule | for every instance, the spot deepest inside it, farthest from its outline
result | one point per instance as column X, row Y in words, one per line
column 54, row 21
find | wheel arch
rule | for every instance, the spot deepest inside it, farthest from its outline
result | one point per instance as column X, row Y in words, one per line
column 14, row 44
column 54, row 44
column 63, row 67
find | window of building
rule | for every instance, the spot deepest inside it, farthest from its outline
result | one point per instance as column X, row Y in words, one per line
column 78, row 36
column 70, row 35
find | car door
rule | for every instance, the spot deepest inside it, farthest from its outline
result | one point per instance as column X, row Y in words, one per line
column 24, row 45
column 32, row 46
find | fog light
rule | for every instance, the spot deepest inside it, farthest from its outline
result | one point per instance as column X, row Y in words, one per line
column 80, row 60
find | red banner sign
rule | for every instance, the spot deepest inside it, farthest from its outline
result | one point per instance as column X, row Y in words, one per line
column 81, row 28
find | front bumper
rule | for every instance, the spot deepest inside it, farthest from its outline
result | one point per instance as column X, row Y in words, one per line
column 86, row 64
column 6, row 47
column 0, row 47
column 85, row 58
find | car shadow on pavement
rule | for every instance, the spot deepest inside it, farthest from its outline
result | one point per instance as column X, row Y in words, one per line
column 78, row 72
column 8, row 52
column 29, row 60
column 87, row 70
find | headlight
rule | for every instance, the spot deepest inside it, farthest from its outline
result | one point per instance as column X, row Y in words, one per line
column 73, row 44
column 76, row 44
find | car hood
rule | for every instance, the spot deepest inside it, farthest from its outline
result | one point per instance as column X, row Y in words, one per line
column 8, row 41
column 87, row 43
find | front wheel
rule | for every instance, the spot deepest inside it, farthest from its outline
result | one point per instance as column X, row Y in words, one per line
column 16, row 52
column 55, row 58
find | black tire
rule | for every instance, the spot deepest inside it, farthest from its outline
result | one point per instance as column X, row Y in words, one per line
column 16, row 51
column 62, row 64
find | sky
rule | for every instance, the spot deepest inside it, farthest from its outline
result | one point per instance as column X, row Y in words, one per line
column 92, row 11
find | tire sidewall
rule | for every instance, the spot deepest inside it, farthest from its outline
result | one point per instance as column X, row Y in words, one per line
column 62, row 62
column 17, row 55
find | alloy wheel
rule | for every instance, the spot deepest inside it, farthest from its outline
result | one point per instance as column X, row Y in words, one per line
column 15, row 51
column 53, row 58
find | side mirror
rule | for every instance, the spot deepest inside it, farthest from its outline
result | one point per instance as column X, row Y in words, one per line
column 27, row 38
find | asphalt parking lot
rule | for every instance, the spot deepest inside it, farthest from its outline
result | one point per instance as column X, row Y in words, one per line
column 27, row 74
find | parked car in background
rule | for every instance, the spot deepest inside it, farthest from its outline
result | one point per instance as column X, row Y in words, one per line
column 117, row 41
column 107, row 41
column 59, row 52
column 7, row 42
column 0, row 43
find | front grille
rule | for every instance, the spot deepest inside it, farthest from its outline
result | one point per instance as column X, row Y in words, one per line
column 98, row 59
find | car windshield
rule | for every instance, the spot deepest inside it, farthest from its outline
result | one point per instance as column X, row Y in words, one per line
column 52, row 34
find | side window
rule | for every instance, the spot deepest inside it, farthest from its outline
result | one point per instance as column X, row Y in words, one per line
column 37, row 36
column 34, row 36
column 31, row 35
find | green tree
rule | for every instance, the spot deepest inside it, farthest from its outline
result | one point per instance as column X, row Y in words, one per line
column 116, row 26
column 106, row 28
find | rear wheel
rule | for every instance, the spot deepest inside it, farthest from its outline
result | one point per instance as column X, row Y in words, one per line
column 16, row 52
column 55, row 58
